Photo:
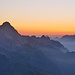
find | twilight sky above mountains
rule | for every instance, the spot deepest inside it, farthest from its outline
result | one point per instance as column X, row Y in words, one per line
column 51, row 17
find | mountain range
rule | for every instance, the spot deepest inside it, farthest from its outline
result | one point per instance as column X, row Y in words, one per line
column 67, row 38
column 68, row 41
column 31, row 55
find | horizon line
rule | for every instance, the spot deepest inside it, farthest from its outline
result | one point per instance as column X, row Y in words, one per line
column 40, row 33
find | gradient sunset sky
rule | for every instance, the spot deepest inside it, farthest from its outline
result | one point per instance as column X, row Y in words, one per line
column 37, row 17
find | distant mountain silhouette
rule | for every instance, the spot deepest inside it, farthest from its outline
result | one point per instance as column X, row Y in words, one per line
column 68, row 41
column 9, row 37
column 31, row 55
column 68, row 38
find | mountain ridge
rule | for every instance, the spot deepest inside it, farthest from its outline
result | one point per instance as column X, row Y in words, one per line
column 9, row 34
column 31, row 55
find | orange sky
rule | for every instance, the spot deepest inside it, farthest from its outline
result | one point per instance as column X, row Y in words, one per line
column 39, row 17
column 43, row 27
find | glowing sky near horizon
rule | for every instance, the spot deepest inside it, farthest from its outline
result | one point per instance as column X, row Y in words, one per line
column 50, row 17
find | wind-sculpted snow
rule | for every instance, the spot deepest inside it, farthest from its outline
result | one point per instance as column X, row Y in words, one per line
column 31, row 55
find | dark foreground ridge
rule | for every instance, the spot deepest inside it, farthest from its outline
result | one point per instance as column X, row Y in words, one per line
column 31, row 55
